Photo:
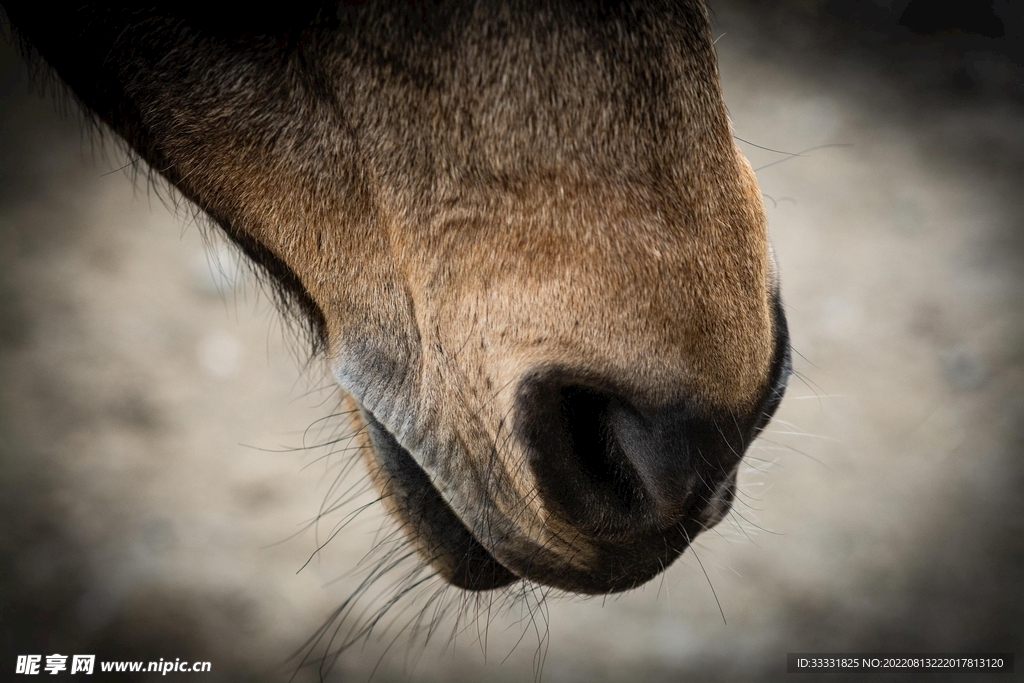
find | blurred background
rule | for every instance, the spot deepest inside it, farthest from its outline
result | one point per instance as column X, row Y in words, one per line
column 168, row 457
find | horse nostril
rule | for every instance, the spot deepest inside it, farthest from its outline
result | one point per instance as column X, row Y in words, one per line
column 612, row 469
column 588, row 417
column 602, row 464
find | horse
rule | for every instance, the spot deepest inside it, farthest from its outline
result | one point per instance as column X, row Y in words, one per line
column 519, row 232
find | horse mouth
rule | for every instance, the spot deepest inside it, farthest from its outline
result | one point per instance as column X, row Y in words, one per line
column 444, row 541
column 440, row 535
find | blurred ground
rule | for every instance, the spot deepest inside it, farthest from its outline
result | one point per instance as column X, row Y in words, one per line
column 152, row 416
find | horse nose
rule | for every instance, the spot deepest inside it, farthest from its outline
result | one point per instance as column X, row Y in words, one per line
column 612, row 468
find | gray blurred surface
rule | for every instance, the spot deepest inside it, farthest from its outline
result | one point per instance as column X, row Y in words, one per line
column 155, row 491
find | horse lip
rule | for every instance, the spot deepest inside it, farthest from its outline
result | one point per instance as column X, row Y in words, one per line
column 449, row 546
column 440, row 535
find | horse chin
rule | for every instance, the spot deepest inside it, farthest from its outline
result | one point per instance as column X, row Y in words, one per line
column 439, row 535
